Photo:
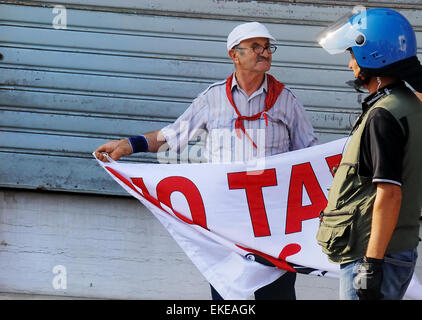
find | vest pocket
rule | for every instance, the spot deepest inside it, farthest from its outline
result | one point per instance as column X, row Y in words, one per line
column 335, row 232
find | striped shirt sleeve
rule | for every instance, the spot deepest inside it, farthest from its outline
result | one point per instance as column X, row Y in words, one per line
column 300, row 128
column 187, row 126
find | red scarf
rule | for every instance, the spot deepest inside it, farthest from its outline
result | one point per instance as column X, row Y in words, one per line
column 274, row 90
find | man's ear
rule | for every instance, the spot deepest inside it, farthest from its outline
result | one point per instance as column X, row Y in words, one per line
column 233, row 55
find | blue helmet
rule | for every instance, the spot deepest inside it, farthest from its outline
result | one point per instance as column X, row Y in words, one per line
column 382, row 40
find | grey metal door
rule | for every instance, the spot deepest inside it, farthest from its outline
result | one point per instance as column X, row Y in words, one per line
column 111, row 72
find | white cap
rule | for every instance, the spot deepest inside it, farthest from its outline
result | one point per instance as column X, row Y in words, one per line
column 247, row 31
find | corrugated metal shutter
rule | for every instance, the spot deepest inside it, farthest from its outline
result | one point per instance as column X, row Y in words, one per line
column 115, row 72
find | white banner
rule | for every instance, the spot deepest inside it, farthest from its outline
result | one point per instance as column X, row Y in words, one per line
column 225, row 216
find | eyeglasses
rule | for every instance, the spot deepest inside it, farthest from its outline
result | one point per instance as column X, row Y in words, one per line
column 260, row 49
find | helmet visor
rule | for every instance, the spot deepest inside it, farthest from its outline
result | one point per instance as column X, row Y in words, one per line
column 341, row 35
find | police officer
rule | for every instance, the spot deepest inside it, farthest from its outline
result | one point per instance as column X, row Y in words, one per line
column 370, row 225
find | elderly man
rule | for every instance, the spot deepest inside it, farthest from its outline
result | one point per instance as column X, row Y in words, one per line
column 252, row 106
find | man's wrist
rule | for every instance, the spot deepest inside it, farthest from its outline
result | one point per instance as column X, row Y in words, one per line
column 138, row 144
column 372, row 260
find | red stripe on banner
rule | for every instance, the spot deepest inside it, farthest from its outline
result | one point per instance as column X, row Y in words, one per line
column 139, row 183
column 124, row 180
column 280, row 263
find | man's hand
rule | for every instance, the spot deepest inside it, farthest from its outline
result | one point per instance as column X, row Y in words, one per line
column 115, row 149
column 368, row 280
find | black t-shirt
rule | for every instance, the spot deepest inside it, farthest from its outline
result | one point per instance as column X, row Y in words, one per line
column 383, row 141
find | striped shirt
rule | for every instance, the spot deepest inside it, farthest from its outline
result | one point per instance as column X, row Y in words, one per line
column 286, row 128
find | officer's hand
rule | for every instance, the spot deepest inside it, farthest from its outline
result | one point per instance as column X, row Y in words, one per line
column 115, row 149
column 368, row 280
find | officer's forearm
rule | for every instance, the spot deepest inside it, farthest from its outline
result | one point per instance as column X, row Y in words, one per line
column 384, row 218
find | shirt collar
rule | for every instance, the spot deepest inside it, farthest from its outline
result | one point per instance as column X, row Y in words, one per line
column 374, row 97
column 264, row 85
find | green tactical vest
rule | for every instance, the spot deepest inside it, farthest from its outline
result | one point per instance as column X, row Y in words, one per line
column 345, row 223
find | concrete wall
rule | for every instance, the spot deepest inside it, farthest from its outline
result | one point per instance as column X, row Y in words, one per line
column 111, row 247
